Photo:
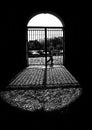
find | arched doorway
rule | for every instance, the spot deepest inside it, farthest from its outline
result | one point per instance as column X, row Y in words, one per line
column 45, row 31
column 47, row 88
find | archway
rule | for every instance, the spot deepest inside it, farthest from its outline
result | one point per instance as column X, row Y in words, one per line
column 44, row 31
column 47, row 88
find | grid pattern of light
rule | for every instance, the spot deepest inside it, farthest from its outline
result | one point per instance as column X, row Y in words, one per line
column 36, row 61
column 33, row 77
column 29, row 76
column 57, row 60
column 60, row 76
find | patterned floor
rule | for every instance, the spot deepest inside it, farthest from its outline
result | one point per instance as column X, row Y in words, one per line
column 37, row 76
column 49, row 88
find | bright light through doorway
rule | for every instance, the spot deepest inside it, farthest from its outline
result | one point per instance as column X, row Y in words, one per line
column 45, row 19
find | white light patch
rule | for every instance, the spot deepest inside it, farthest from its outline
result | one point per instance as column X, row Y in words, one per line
column 47, row 20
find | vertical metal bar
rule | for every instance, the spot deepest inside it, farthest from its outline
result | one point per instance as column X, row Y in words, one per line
column 45, row 46
column 28, row 35
column 63, row 46
column 39, row 35
column 33, row 35
column 50, row 34
column 27, row 40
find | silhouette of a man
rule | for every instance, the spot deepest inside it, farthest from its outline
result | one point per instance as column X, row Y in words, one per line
column 51, row 50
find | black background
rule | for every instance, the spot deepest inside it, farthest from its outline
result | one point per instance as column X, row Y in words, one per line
column 77, row 58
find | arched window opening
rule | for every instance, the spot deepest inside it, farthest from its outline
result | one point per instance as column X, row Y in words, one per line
column 45, row 20
column 45, row 31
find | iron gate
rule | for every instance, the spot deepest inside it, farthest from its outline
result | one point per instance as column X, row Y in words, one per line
column 39, row 41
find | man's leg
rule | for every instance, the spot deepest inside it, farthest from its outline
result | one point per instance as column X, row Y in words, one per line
column 51, row 60
column 48, row 60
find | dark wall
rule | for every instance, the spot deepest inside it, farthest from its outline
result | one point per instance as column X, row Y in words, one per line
column 78, row 55
column 13, row 46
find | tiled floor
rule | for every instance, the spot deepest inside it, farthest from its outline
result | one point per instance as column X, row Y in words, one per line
column 39, row 75
column 49, row 88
